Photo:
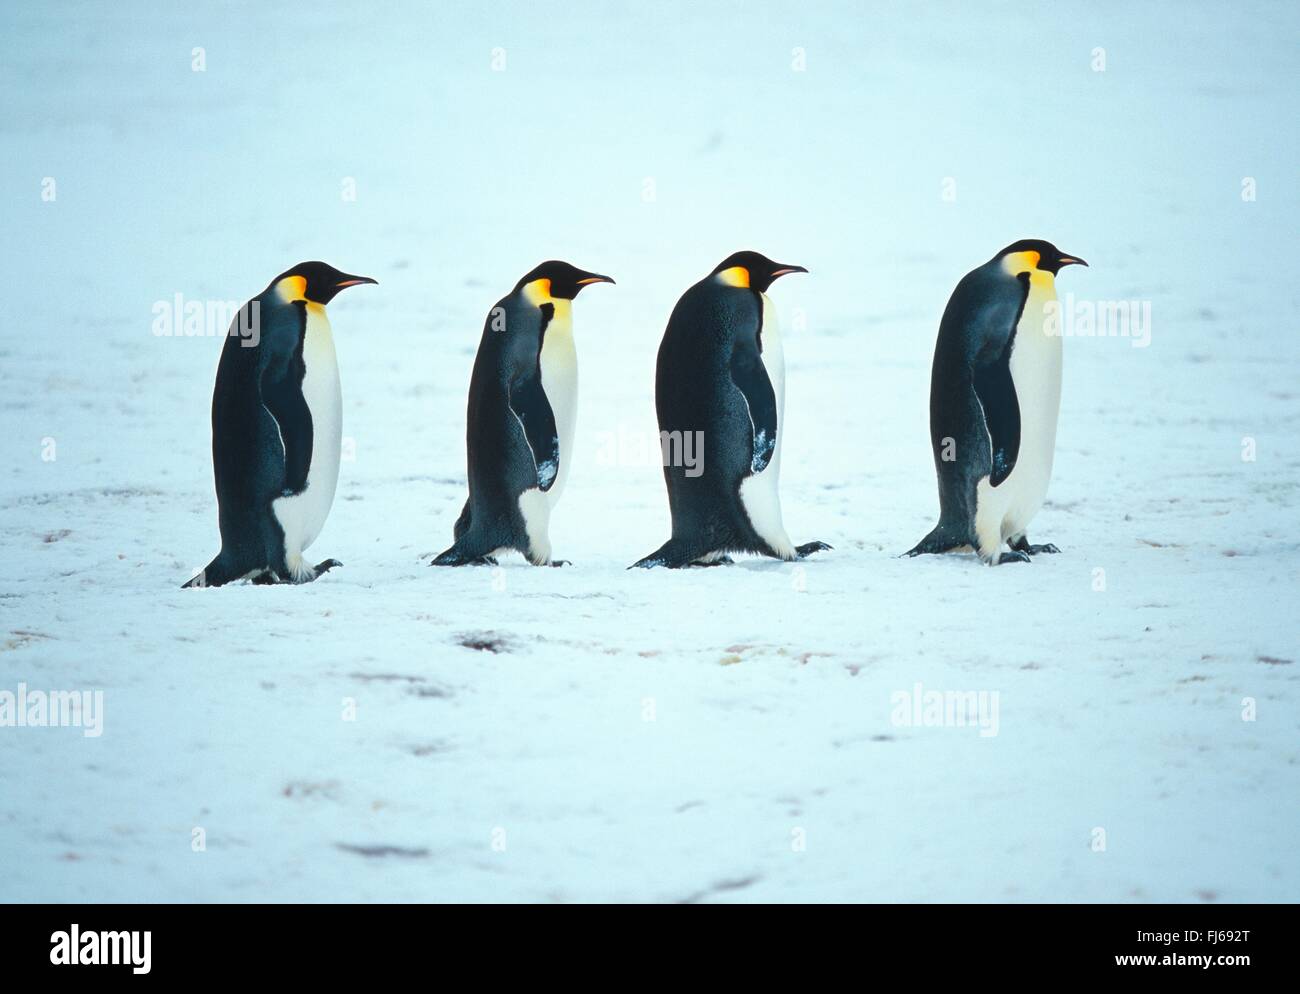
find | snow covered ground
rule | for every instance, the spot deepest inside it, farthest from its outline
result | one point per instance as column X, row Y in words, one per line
column 591, row 733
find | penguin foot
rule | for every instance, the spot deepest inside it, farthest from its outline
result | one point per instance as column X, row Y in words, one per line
column 302, row 572
column 560, row 562
column 1012, row 557
column 299, row 572
column 1021, row 544
column 720, row 561
column 808, row 548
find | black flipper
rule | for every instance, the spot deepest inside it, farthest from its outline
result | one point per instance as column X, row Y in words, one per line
column 528, row 401
column 997, row 396
column 750, row 376
column 281, row 389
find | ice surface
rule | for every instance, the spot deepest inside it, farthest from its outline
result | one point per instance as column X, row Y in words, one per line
column 590, row 733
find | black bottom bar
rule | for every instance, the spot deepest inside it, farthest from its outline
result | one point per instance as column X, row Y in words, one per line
column 141, row 943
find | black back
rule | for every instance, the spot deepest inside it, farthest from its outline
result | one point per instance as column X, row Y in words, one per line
column 972, row 398
column 261, row 433
column 511, row 440
column 710, row 379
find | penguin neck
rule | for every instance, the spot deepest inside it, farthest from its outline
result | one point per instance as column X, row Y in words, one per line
column 1042, row 291
column 293, row 289
column 537, row 293
column 1042, row 284
column 562, row 318
column 771, row 327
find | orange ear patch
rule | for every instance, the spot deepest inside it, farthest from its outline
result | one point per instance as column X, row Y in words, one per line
column 538, row 292
column 1021, row 262
column 735, row 276
column 292, row 288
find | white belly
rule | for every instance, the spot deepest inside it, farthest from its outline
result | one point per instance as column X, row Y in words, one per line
column 302, row 516
column 1036, row 373
column 760, row 494
column 535, row 508
column 559, row 366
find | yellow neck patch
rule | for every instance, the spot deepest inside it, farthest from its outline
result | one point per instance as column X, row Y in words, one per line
column 735, row 276
column 563, row 312
column 1027, row 262
column 538, row 292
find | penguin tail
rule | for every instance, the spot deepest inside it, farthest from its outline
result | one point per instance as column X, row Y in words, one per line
column 673, row 554
column 461, row 554
column 217, row 573
column 463, row 522
column 940, row 540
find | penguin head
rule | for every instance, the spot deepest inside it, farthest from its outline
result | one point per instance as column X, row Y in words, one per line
column 555, row 280
column 315, row 282
column 1030, row 255
column 753, row 270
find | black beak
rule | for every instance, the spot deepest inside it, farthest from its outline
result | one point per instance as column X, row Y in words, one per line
column 782, row 270
column 1070, row 260
column 587, row 279
column 348, row 281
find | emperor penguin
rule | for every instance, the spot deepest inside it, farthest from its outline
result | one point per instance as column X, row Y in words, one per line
column 277, row 430
column 523, row 399
column 995, row 392
column 720, row 386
